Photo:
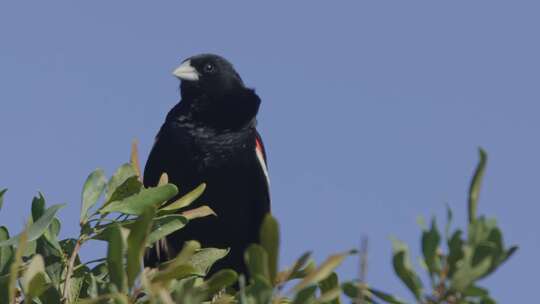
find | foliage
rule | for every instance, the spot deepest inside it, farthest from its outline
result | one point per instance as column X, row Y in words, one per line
column 37, row 267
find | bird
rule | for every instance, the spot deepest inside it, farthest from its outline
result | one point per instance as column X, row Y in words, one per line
column 210, row 137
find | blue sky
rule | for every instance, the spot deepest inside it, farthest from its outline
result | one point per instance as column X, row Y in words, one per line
column 372, row 111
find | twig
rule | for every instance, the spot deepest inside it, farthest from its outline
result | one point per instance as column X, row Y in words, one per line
column 362, row 271
column 70, row 269
column 89, row 262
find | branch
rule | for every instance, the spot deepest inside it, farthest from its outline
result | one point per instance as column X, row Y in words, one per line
column 70, row 270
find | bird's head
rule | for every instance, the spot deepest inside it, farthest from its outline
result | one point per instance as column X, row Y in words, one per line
column 209, row 75
column 214, row 93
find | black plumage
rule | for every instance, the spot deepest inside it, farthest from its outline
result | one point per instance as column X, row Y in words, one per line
column 210, row 136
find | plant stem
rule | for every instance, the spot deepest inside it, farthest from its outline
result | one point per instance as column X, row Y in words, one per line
column 362, row 271
column 89, row 262
column 99, row 220
column 70, row 269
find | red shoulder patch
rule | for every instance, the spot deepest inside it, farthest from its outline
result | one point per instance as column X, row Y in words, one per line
column 261, row 156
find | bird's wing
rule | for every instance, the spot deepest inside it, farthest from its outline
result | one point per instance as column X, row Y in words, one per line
column 261, row 156
column 262, row 207
column 152, row 169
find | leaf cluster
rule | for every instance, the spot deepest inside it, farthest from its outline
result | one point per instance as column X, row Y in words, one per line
column 455, row 260
column 36, row 266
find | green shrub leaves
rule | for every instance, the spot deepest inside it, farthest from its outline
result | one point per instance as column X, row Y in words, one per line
column 37, row 267
column 92, row 189
column 137, row 203
column 37, row 228
column 474, row 191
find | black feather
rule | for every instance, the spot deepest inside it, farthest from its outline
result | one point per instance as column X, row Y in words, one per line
column 210, row 137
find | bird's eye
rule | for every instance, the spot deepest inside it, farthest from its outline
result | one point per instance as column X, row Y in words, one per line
column 209, row 68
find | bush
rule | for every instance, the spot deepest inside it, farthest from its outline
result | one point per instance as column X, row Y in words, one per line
column 37, row 267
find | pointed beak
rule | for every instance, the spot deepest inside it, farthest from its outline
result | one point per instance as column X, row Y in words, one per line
column 186, row 72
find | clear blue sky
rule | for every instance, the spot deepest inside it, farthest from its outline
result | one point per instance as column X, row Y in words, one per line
column 372, row 111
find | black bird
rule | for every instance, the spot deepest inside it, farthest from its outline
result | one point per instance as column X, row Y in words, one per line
column 210, row 136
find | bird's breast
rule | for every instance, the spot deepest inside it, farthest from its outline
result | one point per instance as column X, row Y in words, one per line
column 208, row 149
column 224, row 150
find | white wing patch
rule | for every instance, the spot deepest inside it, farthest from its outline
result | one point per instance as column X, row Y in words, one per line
column 260, row 157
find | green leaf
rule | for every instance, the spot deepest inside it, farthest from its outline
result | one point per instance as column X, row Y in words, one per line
column 102, row 233
column 136, row 204
column 480, row 230
column 100, row 271
column 54, row 265
column 34, row 280
column 6, row 252
column 134, row 159
column 495, row 237
column 115, row 252
column 37, row 228
column 206, row 257
column 175, row 272
column 50, row 249
column 330, row 296
column 4, row 289
column 2, row 192
column 302, row 273
column 30, row 249
column 508, row 254
column 187, row 252
column 76, row 284
column 327, row 287
column 455, row 247
column 38, row 207
column 119, row 177
column 50, row 295
column 350, row 289
column 295, row 272
column 404, row 270
column 51, row 234
column 388, row 298
column 190, row 291
column 257, row 262
column 118, row 298
column 202, row 211
column 430, row 243
column 55, row 227
column 323, row 271
column 220, row 280
column 487, row 300
column 484, row 250
column 257, row 292
column 475, row 291
column 467, row 272
column 185, row 200
column 270, row 242
column 92, row 290
column 474, row 190
column 92, row 189
column 164, row 226
column 131, row 186
column 500, row 255
column 305, row 295
column 137, row 244
column 163, row 179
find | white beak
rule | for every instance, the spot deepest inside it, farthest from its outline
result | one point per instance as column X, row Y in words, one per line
column 186, row 72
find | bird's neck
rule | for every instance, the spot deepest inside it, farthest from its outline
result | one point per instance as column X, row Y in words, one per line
column 234, row 111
